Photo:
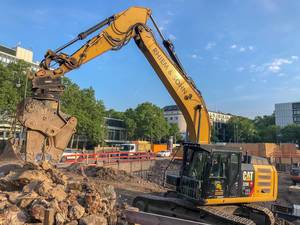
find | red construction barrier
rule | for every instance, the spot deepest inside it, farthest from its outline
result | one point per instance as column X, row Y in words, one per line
column 107, row 157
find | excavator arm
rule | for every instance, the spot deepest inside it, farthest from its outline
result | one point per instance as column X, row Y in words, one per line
column 120, row 29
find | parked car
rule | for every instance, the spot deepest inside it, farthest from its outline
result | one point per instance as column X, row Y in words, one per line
column 164, row 153
column 70, row 154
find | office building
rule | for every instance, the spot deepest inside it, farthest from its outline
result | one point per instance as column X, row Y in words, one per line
column 218, row 120
column 287, row 113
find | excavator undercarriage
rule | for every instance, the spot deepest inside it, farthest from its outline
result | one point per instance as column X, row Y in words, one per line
column 176, row 206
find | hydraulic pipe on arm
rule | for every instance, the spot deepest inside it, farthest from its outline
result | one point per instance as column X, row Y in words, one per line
column 121, row 28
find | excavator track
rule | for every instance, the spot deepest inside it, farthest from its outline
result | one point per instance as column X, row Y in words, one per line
column 269, row 216
column 244, row 214
column 230, row 218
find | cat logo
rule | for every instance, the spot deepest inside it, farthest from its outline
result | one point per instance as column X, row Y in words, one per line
column 247, row 175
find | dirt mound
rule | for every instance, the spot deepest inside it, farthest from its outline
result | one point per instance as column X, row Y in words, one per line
column 105, row 173
column 35, row 192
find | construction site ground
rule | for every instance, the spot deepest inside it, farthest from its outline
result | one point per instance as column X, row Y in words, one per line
column 129, row 186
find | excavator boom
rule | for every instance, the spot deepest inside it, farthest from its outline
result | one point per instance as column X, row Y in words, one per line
column 119, row 30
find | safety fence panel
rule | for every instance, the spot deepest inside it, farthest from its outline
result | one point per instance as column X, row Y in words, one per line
column 107, row 157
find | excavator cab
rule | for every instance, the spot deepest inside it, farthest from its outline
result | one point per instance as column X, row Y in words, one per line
column 213, row 174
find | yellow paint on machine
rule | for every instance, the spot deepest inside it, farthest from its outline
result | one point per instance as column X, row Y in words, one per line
column 260, row 193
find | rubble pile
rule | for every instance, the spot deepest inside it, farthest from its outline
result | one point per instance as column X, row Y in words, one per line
column 37, row 192
column 105, row 173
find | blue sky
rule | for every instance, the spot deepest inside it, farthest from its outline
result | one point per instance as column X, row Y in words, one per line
column 244, row 56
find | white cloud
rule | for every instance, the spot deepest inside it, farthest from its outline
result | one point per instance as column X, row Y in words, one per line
column 242, row 49
column 250, row 47
column 233, row 46
column 172, row 37
column 294, row 57
column 161, row 28
column 275, row 66
column 170, row 13
column 166, row 21
column 240, row 69
column 210, row 45
column 194, row 56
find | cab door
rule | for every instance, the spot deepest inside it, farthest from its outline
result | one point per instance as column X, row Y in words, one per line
column 224, row 175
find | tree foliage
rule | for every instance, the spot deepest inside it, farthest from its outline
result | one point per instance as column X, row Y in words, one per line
column 146, row 122
column 266, row 128
column 12, row 85
column 241, row 129
column 261, row 129
column 114, row 114
column 89, row 111
column 290, row 133
column 150, row 122
column 175, row 132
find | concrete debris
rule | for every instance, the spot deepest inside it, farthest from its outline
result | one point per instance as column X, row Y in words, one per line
column 37, row 192
column 105, row 173
column 91, row 220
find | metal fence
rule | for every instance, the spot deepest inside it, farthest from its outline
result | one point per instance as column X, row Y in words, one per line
column 158, row 173
column 107, row 157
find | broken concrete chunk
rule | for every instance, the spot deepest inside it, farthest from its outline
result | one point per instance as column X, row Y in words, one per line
column 13, row 215
column 31, row 186
column 76, row 212
column 93, row 219
column 25, row 200
column 74, row 185
column 45, row 165
column 38, row 212
column 60, row 219
column 73, row 222
column 44, row 188
column 13, row 196
column 58, row 193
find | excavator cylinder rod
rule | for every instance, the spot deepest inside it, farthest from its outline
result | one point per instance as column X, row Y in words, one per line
column 86, row 33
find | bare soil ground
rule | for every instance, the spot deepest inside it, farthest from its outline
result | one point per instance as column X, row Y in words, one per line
column 128, row 186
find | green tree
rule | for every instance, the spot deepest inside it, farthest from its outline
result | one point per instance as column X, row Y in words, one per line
column 266, row 129
column 268, row 134
column 88, row 110
column 264, row 121
column 175, row 132
column 241, row 129
column 213, row 137
column 114, row 114
column 151, row 123
column 130, row 123
column 12, row 85
column 147, row 122
column 291, row 133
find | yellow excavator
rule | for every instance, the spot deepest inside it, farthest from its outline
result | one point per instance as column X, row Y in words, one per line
column 216, row 183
